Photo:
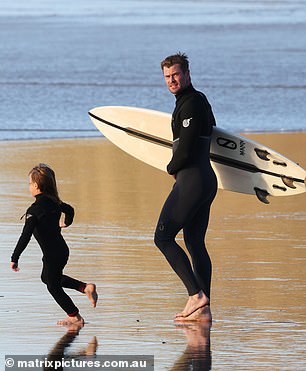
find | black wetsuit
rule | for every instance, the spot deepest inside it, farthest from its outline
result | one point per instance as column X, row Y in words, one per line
column 188, row 205
column 42, row 220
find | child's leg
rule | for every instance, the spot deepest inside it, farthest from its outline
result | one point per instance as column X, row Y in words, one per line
column 51, row 276
column 71, row 283
column 87, row 288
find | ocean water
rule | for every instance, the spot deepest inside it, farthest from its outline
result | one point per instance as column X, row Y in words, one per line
column 60, row 59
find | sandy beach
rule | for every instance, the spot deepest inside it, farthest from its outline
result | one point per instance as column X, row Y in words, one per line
column 257, row 250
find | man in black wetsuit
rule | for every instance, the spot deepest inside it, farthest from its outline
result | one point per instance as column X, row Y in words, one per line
column 188, row 205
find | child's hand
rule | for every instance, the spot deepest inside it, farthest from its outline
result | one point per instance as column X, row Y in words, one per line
column 62, row 225
column 14, row 266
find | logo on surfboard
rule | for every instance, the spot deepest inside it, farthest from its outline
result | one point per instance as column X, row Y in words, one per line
column 227, row 143
column 230, row 144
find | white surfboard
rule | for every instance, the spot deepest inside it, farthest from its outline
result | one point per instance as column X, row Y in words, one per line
column 241, row 165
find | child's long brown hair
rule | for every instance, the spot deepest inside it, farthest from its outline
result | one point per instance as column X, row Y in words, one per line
column 44, row 177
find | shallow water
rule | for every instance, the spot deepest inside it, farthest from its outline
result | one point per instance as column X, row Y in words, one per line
column 58, row 61
column 258, row 254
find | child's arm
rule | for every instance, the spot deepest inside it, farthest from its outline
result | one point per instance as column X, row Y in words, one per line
column 69, row 214
column 23, row 240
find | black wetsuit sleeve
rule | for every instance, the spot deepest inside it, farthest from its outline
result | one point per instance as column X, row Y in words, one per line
column 69, row 213
column 25, row 236
column 191, row 121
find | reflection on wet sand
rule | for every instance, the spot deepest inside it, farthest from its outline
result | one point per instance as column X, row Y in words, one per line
column 197, row 355
column 58, row 352
column 257, row 250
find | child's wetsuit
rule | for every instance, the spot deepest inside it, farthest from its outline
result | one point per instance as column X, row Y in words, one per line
column 42, row 220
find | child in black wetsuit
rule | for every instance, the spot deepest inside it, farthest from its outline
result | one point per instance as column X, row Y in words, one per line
column 42, row 219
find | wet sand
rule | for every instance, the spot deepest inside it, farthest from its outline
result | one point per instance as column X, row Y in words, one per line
column 258, row 254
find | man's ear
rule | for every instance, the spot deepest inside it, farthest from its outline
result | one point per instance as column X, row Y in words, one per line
column 188, row 75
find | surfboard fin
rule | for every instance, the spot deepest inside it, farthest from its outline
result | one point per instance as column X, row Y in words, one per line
column 262, row 154
column 262, row 195
column 288, row 181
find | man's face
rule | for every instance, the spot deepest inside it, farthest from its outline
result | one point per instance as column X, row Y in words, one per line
column 176, row 79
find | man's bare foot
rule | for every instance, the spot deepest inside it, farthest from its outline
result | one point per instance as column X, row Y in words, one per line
column 202, row 314
column 194, row 302
column 69, row 321
column 91, row 292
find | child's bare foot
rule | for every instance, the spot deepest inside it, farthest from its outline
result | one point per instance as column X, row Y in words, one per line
column 69, row 321
column 90, row 291
column 194, row 302
column 202, row 314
